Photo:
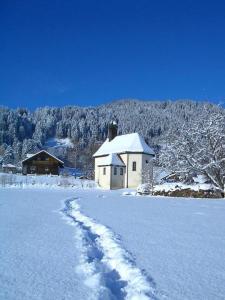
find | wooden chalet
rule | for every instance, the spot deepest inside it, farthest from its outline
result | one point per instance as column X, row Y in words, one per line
column 42, row 163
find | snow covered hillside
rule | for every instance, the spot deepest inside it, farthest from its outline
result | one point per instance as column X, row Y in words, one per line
column 94, row 244
column 58, row 143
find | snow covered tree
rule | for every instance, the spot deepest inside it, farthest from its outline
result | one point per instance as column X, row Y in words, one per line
column 198, row 147
column 88, row 126
column 8, row 157
column 30, row 146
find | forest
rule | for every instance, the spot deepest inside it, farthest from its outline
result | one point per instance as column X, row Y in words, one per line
column 175, row 129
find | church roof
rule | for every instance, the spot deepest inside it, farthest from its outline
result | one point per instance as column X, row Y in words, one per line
column 112, row 160
column 132, row 142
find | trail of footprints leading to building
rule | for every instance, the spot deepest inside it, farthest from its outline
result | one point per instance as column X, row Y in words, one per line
column 106, row 267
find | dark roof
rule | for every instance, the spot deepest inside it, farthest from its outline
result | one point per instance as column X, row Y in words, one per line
column 42, row 151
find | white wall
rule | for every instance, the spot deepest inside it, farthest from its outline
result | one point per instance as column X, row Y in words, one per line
column 143, row 173
column 98, row 161
column 134, row 178
column 104, row 181
column 117, row 181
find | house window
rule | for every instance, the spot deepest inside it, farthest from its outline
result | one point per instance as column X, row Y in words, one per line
column 146, row 161
column 115, row 171
column 104, row 171
column 121, row 171
column 33, row 169
column 134, row 166
column 46, row 169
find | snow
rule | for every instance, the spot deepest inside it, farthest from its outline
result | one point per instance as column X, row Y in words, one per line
column 178, row 243
column 44, row 258
column 28, row 155
column 172, row 186
column 38, row 254
column 108, row 245
column 200, row 179
column 57, row 143
column 8, row 166
column 159, row 174
column 132, row 142
column 43, row 181
column 112, row 160
column 144, row 188
column 111, row 259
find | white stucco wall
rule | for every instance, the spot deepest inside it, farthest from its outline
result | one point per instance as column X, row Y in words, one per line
column 134, row 178
column 98, row 161
column 104, row 180
column 143, row 173
column 117, row 181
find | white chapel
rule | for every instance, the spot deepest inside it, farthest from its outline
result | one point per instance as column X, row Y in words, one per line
column 123, row 161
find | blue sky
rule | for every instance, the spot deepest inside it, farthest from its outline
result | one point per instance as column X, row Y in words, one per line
column 91, row 52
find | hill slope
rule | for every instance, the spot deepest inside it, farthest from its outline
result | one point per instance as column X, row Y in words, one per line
column 23, row 131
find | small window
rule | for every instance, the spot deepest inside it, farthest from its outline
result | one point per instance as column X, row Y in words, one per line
column 46, row 169
column 104, row 171
column 134, row 166
column 146, row 161
column 115, row 170
column 33, row 169
column 121, row 171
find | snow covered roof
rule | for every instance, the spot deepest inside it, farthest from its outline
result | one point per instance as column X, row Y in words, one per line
column 44, row 152
column 28, row 155
column 9, row 166
column 112, row 160
column 132, row 142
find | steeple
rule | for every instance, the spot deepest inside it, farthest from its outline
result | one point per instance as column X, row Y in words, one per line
column 112, row 130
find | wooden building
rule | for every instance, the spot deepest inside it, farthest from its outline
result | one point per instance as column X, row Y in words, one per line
column 42, row 163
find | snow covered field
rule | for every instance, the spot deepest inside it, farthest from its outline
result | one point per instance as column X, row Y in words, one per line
column 118, row 247
column 38, row 257
column 180, row 243
column 43, row 181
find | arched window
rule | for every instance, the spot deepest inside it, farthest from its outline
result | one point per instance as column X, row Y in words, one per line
column 115, row 171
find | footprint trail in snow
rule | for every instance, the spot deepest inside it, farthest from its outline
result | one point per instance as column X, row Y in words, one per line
column 105, row 266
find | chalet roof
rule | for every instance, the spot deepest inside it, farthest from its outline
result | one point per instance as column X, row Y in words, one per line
column 112, row 160
column 42, row 151
column 28, row 155
column 132, row 142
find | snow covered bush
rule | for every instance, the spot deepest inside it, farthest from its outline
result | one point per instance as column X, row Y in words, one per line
column 144, row 189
